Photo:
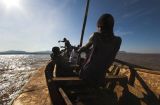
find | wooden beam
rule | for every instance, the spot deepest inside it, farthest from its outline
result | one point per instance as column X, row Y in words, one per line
column 78, row 80
column 65, row 97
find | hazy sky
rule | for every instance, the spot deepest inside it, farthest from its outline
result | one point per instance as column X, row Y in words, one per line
column 35, row 25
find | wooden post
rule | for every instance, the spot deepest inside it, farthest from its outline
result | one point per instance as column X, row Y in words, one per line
column 84, row 23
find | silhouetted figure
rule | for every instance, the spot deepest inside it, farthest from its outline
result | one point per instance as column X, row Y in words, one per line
column 67, row 43
column 67, row 46
column 104, row 46
column 62, row 64
column 55, row 52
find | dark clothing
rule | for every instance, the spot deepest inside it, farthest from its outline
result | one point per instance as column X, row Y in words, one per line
column 67, row 44
column 68, row 47
column 102, row 55
column 63, row 68
column 49, row 70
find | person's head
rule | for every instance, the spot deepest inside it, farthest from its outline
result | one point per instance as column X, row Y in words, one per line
column 105, row 23
column 56, row 50
column 64, row 39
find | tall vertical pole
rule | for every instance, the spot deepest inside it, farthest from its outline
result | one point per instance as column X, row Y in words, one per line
column 84, row 22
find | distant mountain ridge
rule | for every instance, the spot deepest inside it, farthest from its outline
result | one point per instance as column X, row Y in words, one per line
column 143, row 59
column 25, row 52
column 151, row 60
column 49, row 52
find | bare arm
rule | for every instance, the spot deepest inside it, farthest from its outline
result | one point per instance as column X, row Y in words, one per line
column 88, row 45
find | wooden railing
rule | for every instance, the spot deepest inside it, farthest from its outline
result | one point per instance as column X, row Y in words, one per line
column 143, row 79
column 137, row 67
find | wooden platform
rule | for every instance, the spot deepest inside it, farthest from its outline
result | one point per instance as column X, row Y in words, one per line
column 140, row 92
column 35, row 92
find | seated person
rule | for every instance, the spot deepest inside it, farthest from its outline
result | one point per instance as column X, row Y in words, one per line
column 63, row 67
column 104, row 47
column 67, row 46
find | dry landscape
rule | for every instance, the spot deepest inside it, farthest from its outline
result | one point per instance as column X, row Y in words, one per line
column 151, row 61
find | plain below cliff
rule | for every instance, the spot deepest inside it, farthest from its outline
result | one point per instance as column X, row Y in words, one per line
column 151, row 61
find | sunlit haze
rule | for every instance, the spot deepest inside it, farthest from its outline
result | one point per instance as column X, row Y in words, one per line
column 37, row 25
column 10, row 4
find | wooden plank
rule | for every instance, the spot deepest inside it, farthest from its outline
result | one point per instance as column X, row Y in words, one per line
column 109, row 77
column 65, row 97
column 122, row 79
column 31, row 93
column 66, row 79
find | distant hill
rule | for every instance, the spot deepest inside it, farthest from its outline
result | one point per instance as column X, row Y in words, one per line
column 24, row 52
column 146, row 60
column 41, row 52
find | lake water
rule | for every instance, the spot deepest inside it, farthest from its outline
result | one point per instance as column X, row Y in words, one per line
column 15, row 71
